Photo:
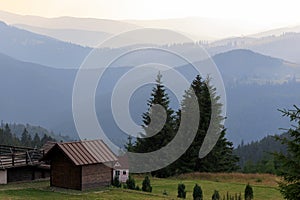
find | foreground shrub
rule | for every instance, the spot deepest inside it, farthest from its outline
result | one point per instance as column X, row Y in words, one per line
column 165, row 192
column 137, row 188
column 248, row 192
column 130, row 183
column 181, row 191
column 116, row 182
column 146, row 185
column 216, row 195
column 197, row 193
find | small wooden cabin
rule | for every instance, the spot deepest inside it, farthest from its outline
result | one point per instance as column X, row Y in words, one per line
column 80, row 165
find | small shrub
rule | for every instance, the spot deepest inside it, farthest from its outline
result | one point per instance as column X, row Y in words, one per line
column 181, row 191
column 197, row 193
column 216, row 195
column 165, row 192
column 116, row 182
column 248, row 192
column 146, row 185
column 130, row 183
column 137, row 188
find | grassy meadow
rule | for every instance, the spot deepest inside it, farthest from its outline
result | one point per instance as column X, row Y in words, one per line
column 264, row 187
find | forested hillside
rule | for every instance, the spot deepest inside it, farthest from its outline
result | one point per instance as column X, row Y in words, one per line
column 8, row 137
column 257, row 156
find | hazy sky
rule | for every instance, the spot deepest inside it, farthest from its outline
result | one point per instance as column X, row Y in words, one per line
column 261, row 12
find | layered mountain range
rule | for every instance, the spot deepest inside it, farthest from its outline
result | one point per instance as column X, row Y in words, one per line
column 39, row 62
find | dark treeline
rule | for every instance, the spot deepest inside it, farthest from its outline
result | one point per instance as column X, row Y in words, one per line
column 257, row 157
column 9, row 138
column 220, row 159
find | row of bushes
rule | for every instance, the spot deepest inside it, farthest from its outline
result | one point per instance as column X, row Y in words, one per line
column 197, row 191
column 130, row 184
column 198, row 194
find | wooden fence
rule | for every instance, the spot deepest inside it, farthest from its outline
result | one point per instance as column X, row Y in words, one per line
column 13, row 156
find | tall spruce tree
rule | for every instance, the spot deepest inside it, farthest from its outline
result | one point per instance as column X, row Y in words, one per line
column 8, row 137
column 25, row 138
column 129, row 146
column 2, row 136
column 221, row 157
column 290, row 162
column 186, row 163
column 155, row 116
column 36, row 141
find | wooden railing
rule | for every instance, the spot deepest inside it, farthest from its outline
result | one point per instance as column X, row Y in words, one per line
column 12, row 156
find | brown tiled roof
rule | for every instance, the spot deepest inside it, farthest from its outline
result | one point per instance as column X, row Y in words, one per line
column 86, row 152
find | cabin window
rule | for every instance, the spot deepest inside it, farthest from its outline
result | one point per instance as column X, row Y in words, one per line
column 117, row 173
column 124, row 172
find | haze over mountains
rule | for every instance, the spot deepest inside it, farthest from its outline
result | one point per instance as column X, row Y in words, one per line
column 39, row 58
column 75, row 36
column 28, row 46
column 281, row 42
column 284, row 46
column 41, row 95
column 84, row 30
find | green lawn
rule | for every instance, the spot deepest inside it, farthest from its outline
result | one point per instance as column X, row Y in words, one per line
column 41, row 190
column 261, row 192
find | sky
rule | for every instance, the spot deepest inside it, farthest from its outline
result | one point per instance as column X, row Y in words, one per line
column 260, row 13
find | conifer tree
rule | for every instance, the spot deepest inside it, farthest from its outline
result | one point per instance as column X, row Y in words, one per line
column 248, row 192
column 216, row 196
column 197, row 193
column 159, row 100
column 25, row 138
column 181, row 192
column 129, row 146
column 221, row 158
column 290, row 162
column 7, row 135
column 146, row 186
column 36, row 141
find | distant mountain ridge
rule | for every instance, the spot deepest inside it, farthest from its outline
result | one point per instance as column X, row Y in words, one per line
column 284, row 46
column 75, row 36
column 88, row 24
column 42, row 95
column 27, row 46
column 248, row 65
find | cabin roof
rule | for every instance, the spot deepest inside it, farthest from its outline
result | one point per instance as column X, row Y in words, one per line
column 84, row 152
column 47, row 146
column 121, row 163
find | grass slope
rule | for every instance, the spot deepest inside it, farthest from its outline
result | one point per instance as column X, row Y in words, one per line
column 263, row 185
